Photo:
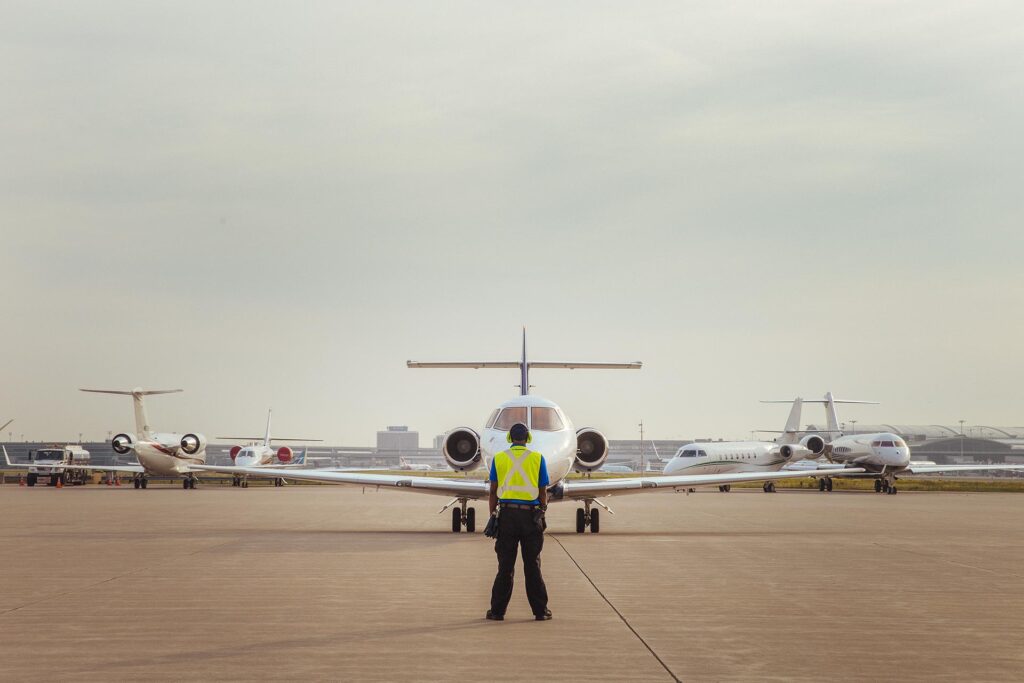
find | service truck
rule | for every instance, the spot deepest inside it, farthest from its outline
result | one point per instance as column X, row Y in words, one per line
column 47, row 462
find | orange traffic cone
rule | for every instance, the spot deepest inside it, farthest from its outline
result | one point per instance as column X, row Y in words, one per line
column 109, row 482
column 60, row 482
column 117, row 481
column 21, row 480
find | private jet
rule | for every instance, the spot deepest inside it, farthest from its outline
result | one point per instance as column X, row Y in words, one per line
column 565, row 447
column 160, row 454
column 259, row 453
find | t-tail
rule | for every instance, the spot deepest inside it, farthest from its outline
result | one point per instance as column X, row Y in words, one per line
column 266, row 437
column 525, row 365
column 142, row 427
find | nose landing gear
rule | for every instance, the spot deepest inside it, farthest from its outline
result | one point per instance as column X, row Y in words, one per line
column 825, row 484
column 886, row 485
column 769, row 487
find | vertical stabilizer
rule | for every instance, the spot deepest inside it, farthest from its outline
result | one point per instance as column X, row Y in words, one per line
column 266, row 437
column 524, row 370
column 791, row 432
column 831, row 417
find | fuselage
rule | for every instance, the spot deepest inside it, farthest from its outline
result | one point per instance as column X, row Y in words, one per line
column 726, row 456
column 878, row 451
column 256, row 455
column 552, row 433
column 162, row 455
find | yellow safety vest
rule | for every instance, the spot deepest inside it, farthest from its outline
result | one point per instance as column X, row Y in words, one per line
column 518, row 472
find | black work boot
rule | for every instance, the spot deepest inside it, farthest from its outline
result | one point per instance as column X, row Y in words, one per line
column 495, row 617
column 543, row 617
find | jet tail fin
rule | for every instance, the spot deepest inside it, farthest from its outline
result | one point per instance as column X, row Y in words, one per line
column 524, row 365
column 141, row 421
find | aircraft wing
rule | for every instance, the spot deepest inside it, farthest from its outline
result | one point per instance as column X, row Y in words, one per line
column 577, row 489
column 453, row 488
column 932, row 469
column 99, row 468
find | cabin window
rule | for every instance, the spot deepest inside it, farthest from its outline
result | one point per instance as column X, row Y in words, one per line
column 545, row 420
column 510, row 416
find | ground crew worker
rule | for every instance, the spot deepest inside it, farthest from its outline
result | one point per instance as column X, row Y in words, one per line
column 519, row 480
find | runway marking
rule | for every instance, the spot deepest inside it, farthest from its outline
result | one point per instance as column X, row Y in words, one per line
column 615, row 609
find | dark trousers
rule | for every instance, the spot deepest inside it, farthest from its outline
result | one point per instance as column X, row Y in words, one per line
column 517, row 527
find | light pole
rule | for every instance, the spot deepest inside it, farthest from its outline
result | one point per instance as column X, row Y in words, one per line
column 961, row 440
column 854, row 426
column 641, row 447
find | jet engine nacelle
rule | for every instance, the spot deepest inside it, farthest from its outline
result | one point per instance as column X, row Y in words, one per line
column 591, row 450
column 235, row 450
column 122, row 443
column 814, row 443
column 794, row 451
column 285, row 454
column 461, row 449
column 193, row 443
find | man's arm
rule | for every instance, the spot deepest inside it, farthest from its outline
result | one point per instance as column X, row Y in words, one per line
column 492, row 499
column 543, row 497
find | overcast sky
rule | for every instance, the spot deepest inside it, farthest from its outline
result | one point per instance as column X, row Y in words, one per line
column 278, row 204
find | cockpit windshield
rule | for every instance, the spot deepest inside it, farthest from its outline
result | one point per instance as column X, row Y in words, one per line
column 546, row 420
column 691, row 453
column 510, row 416
column 48, row 455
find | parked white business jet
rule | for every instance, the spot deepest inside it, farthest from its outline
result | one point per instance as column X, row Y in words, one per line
column 717, row 457
column 259, row 453
column 159, row 453
column 565, row 449
column 883, row 454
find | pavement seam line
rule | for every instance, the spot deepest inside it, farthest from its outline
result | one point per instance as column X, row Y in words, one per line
column 98, row 583
column 615, row 609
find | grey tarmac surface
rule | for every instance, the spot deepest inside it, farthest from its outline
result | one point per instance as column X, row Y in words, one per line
column 333, row 583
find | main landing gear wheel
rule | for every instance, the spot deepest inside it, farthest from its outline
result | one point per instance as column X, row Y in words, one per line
column 725, row 488
column 769, row 487
column 136, row 484
column 184, row 483
column 828, row 484
column 878, row 485
column 586, row 517
column 31, row 479
column 144, row 483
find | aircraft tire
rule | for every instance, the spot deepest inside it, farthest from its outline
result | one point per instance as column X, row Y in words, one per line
column 31, row 479
column 595, row 521
column 821, row 484
column 471, row 520
column 136, row 483
column 893, row 490
column 828, row 484
column 878, row 485
column 581, row 521
column 144, row 483
column 456, row 520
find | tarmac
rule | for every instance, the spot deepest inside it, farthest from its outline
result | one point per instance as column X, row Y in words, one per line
column 310, row 582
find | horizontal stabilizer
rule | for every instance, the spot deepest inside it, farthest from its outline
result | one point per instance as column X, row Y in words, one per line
column 475, row 365
column 134, row 392
column 565, row 365
column 585, row 365
column 838, row 400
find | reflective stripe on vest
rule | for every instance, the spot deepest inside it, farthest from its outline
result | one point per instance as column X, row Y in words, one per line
column 518, row 474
